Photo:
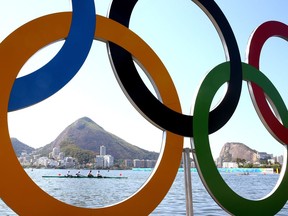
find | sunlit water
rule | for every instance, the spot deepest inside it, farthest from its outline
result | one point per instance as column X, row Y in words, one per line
column 103, row 192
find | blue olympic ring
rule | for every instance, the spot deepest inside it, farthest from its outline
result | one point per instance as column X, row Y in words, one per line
column 49, row 79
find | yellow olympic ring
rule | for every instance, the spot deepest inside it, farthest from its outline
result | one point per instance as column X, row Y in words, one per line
column 14, row 52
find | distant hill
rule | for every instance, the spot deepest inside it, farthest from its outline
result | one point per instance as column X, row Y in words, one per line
column 88, row 135
column 233, row 150
column 20, row 147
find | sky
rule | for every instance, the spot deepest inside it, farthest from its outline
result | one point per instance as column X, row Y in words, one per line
column 187, row 43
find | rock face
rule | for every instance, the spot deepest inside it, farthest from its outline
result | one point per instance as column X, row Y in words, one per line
column 231, row 151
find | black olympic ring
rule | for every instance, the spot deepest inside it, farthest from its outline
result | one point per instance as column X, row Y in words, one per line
column 138, row 93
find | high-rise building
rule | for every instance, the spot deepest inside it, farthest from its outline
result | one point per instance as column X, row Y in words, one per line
column 279, row 159
column 108, row 161
column 102, row 150
column 99, row 161
column 55, row 152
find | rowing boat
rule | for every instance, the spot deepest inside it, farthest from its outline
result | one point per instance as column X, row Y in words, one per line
column 92, row 177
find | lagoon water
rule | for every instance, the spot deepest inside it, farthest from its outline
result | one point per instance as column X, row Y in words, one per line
column 110, row 191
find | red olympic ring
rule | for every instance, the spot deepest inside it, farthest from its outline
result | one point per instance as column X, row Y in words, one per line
column 259, row 37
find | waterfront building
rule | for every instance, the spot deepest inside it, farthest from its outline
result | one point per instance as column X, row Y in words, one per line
column 279, row 159
column 99, row 161
column 128, row 163
column 42, row 161
column 229, row 165
column 69, row 162
column 150, row 163
column 138, row 163
column 104, row 161
column 108, row 161
column 52, row 163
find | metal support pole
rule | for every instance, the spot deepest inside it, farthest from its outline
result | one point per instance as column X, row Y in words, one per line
column 188, row 182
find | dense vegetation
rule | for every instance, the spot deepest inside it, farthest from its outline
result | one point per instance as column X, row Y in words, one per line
column 242, row 163
column 82, row 156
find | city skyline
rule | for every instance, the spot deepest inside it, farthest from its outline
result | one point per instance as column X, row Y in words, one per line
column 102, row 150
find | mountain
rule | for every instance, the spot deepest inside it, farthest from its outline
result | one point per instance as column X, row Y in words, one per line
column 88, row 135
column 20, row 147
column 233, row 150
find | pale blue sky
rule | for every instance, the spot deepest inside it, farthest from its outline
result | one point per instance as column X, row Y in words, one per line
column 186, row 42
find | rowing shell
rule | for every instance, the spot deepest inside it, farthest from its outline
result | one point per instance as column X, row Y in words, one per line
column 98, row 177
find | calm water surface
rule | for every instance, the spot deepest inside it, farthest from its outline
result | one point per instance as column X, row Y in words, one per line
column 105, row 192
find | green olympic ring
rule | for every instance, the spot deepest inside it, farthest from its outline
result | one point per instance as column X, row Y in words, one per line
column 214, row 183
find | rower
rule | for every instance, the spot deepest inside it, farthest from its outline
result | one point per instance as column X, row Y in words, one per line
column 99, row 175
column 78, row 174
column 68, row 174
column 90, row 174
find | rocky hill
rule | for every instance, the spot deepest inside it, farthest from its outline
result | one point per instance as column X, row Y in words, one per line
column 88, row 135
column 231, row 151
column 20, row 147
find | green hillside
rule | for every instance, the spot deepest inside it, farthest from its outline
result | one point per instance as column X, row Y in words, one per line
column 88, row 135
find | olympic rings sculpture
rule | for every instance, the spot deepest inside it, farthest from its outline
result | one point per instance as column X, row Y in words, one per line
column 79, row 28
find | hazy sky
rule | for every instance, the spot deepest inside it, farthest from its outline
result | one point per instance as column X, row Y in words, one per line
column 188, row 45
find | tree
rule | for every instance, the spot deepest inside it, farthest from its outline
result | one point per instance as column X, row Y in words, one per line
column 72, row 150
column 240, row 162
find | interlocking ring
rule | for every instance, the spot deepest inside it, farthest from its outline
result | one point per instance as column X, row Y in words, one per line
column 49, row 79
column 156, row 112
column 164, row 112
column 259, row 37
column 160, row 180
column 216, row 186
